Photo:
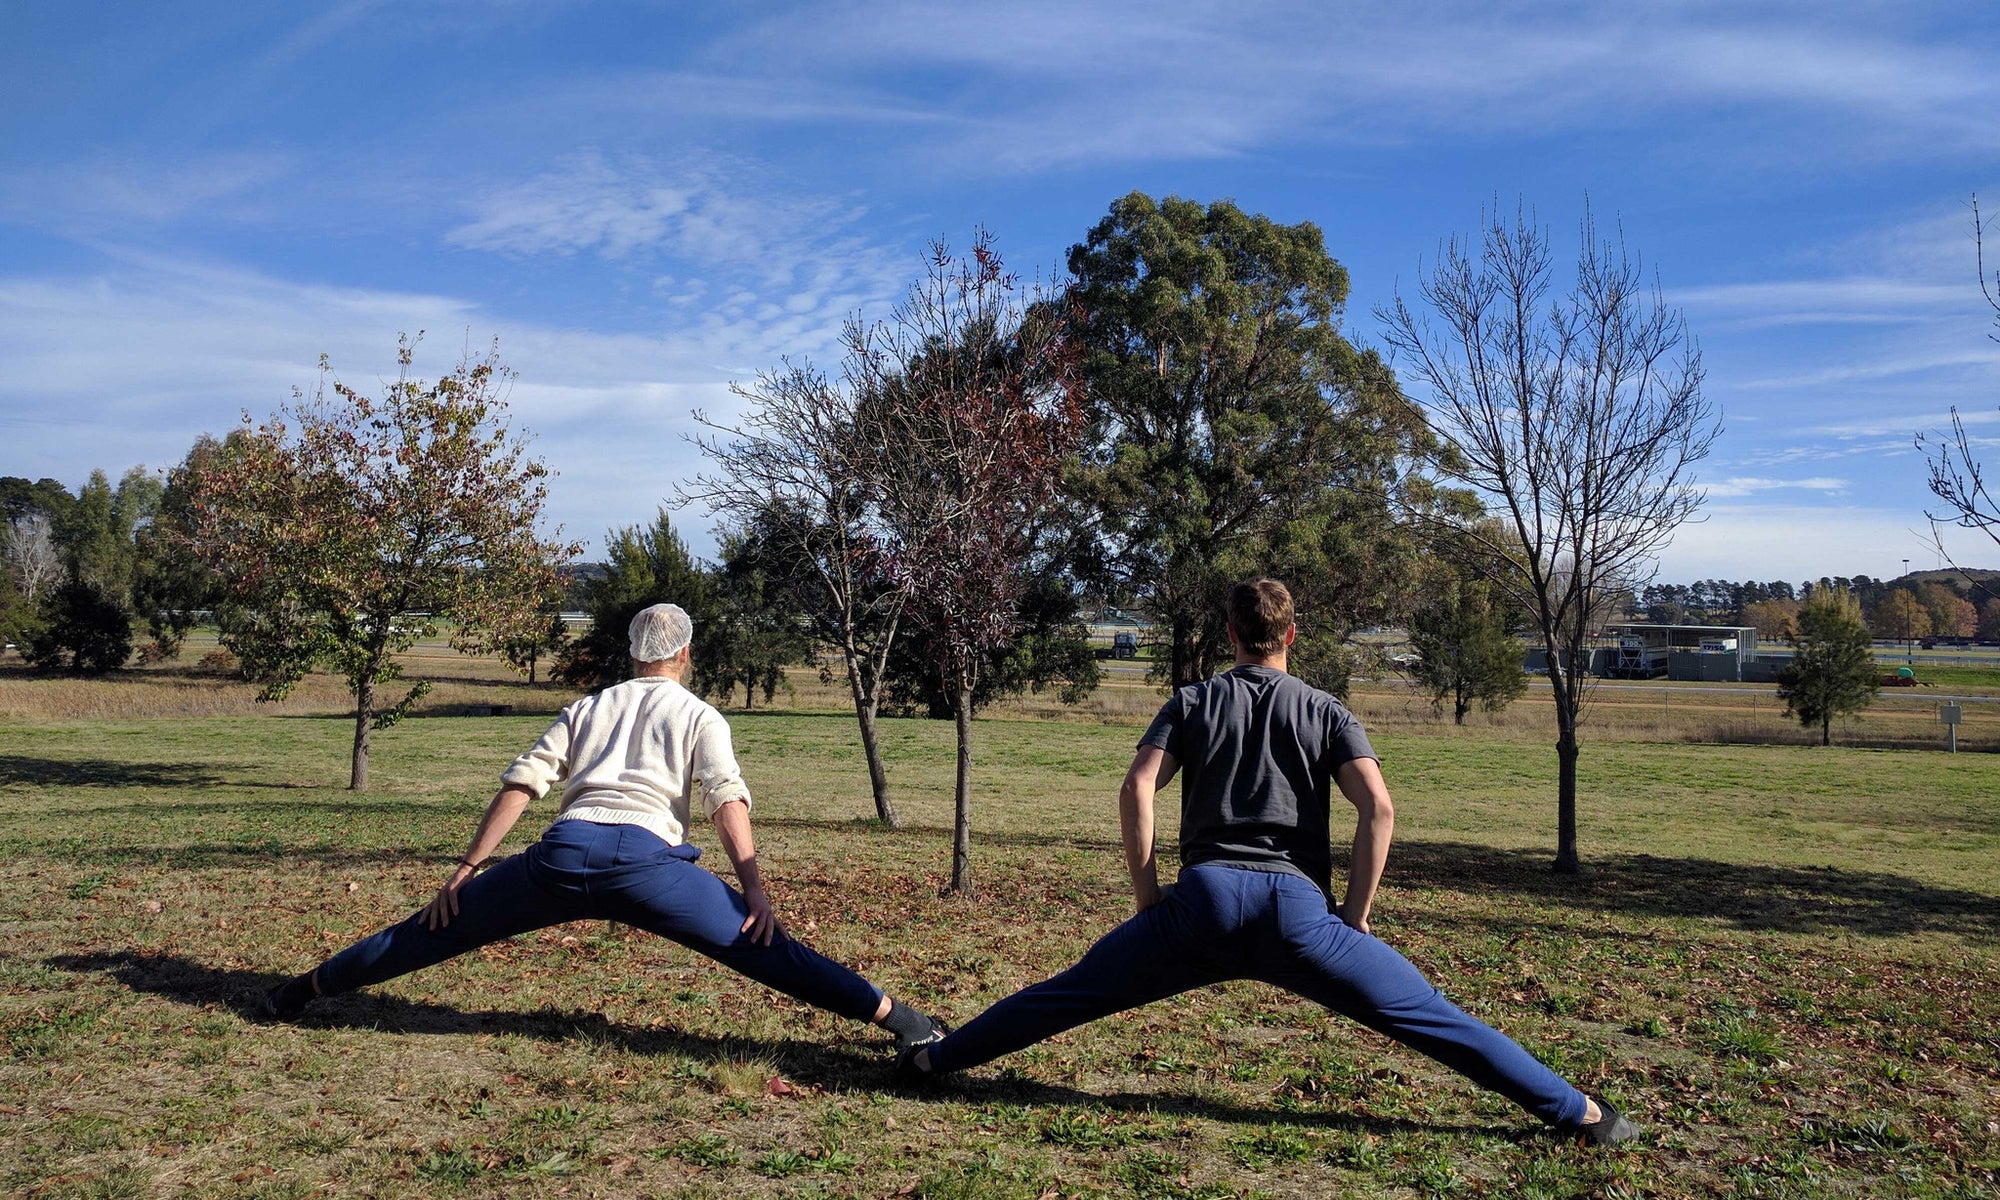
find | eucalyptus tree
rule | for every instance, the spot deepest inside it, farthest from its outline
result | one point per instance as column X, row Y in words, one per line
column 1235, row 430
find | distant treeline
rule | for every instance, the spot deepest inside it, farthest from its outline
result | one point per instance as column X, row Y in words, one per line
column 1946, row 603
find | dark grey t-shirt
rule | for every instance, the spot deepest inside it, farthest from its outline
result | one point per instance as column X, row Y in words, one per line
column 1257, row 750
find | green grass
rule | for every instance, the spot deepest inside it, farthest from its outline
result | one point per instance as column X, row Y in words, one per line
column 1957, row 676
column 1781, row 959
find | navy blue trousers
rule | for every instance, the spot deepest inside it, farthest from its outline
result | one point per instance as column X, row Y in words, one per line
column 1220, row 923
column 583, row 870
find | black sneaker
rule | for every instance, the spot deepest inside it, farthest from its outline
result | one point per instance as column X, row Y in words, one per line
column 286, row 1001
column 1608, row 1129
column 906, row 1052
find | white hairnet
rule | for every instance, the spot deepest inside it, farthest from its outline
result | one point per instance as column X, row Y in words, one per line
column 659, row 632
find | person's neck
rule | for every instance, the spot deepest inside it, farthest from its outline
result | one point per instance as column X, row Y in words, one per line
column 661, row 670
column 1276, row 662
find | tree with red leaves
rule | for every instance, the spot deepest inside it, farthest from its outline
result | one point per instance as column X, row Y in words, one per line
column 972, row 405
column 346, row 528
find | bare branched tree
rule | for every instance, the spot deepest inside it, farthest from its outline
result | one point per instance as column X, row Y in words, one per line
column 795, row 468
column 28, row 545
column 1956, row 477
column 1578, row 416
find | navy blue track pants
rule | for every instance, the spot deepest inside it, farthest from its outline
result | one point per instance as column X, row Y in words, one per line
column 1220, row 923
column 585, row 870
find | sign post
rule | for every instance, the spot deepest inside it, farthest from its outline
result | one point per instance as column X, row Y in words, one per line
column 1951, row 714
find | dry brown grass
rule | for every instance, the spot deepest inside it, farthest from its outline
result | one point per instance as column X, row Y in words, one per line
column 184, row 688
column 1746, row 714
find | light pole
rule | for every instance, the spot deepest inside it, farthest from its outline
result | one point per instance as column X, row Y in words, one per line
column 1909, row 643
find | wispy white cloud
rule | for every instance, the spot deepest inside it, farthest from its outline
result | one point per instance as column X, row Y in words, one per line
column 1052, row 83
column 735, row 251
column 111, row 192
column 1874, row 368
column 130, row 364
column 1834, row 301
column 1745, row 485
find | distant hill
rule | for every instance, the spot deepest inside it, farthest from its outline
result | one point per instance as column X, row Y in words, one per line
column 1984, row 582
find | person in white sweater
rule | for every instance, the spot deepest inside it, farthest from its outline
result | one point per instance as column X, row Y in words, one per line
column 630, row 759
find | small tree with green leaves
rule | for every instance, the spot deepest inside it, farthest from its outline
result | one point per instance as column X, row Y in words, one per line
column 544, row 639
column 1833, row 669
column 346, row 528
column 1466, row 649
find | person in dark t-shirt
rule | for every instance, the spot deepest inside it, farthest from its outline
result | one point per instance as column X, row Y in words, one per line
column 1259, row 753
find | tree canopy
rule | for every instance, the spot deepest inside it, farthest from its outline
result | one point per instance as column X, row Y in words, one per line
column 1833, row 668
column 347, row 527
column 1235, row 431
column 1467, row 654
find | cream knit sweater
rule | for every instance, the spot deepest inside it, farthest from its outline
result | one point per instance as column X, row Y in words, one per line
column 632, row 755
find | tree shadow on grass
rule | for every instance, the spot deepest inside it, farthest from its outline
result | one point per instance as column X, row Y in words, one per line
column 261, row 852
column 870, row 827
column 829, row 1067
column 21, row 769
column 1773, row 899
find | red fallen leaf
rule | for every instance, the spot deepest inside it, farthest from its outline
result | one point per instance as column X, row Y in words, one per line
column 778, row 1086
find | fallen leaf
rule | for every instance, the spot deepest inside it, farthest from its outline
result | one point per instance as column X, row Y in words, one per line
column 151, row 906
column 778, row 1086
column 353, row 886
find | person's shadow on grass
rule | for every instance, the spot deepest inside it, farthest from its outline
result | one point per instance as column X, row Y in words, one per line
column 831, row 1068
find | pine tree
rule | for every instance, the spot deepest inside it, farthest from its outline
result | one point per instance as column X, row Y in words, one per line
column 645, row 566
column 1467, row 655
column 1833, row 668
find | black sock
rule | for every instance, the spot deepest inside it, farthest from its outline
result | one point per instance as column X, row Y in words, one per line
column 906, row 1023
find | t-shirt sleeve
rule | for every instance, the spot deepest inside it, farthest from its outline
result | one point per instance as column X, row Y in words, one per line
column 1347, row 741
column 1165, row 727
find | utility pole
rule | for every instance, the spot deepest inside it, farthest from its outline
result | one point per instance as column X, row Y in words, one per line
column 1909, row 643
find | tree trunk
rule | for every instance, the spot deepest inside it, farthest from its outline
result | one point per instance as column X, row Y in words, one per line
column 961, row 834
column 1826, row 730
column 1565, row 689
column 1186, row 652
column 364, row 717
column 1566, row 748
column 864, row 712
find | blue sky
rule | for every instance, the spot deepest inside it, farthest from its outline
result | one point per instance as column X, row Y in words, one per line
column 644, row 202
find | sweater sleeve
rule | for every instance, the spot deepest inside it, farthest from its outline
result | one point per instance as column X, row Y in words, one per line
column 714, row 762
column 545, row 764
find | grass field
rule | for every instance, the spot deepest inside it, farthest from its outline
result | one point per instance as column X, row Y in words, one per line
column 1781, row 959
